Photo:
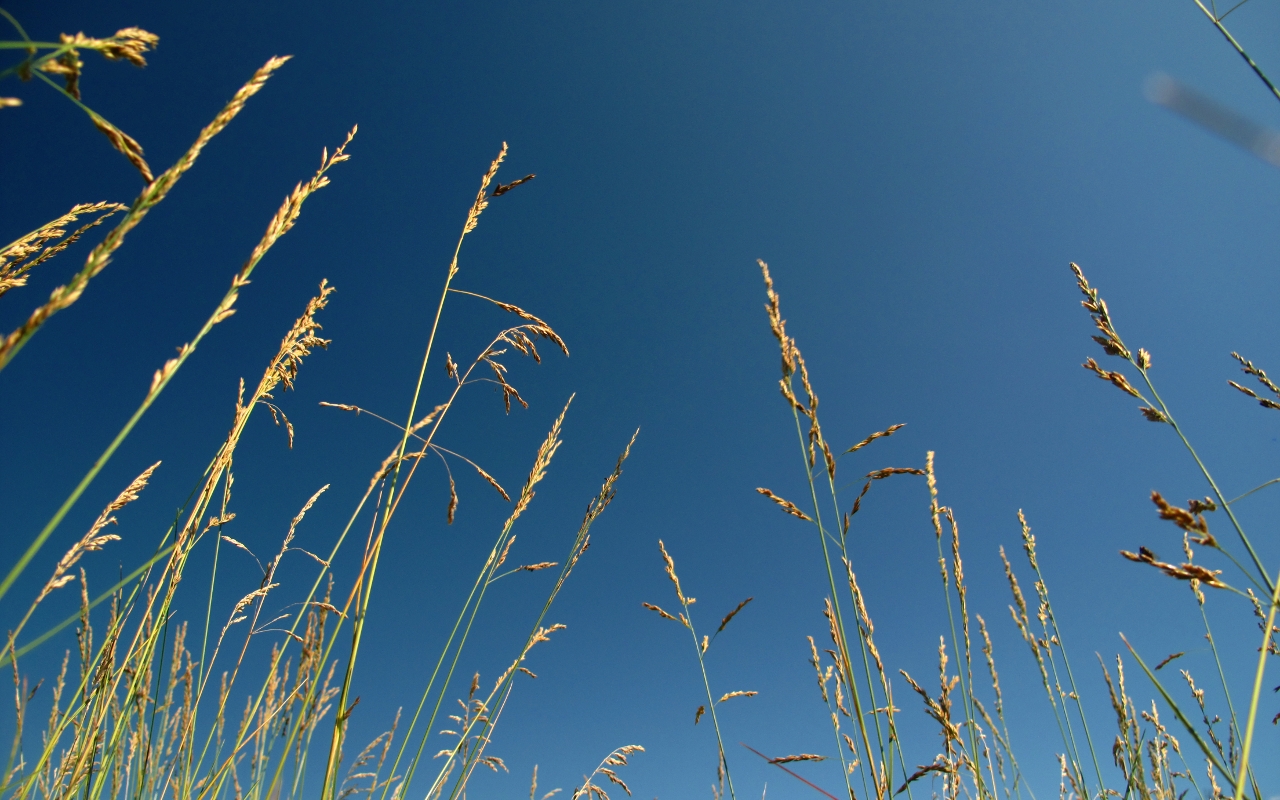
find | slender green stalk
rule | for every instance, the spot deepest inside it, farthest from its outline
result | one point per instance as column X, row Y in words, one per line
column 1270, row 586
column 862, row 647
column 846, row 665
column 1258, row 674
column 537, row 632
column 1226, row 691
column 61, row 626
column 1186, row 723
column 686, row 619
column 1217, row 23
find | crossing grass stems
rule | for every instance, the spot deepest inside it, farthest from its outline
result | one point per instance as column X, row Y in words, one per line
column 144, row 710
column 147, row 707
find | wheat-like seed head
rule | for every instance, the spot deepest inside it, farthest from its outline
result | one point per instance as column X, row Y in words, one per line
column 889, row 431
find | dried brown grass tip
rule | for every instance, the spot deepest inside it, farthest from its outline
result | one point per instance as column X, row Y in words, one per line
column 1184, row 572
column 799, row 757
column 502, row 189
column 889, row 431
column 785, row 505
column 1117, row 379
column 1247, row 367
column 1190, row 519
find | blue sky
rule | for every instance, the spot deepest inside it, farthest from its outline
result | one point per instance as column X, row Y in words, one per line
column 917, row 175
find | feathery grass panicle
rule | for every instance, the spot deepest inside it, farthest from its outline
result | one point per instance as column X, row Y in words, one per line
column 1185, row 572
column 1097, row 308
column 591, row 790
column 539, row 327
column 872, row 477
column 1115, row 378
column 546, row 451
column 94, row 539
column 482, row 200
column 729, row 617
column 669, row 565
column 125, row 144
column 21, row 255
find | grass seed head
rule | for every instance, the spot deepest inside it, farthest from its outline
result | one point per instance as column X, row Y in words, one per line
column 1097, row 308
column 785, row 505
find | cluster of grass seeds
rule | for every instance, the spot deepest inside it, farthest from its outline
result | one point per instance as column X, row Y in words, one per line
column 149, row 707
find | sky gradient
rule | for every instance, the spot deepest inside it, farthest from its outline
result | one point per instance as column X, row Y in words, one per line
column 918, row 176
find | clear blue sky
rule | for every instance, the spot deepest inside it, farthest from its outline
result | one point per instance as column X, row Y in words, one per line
column 917, row 174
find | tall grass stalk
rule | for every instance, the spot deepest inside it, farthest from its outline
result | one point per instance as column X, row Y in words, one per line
column 685, row 617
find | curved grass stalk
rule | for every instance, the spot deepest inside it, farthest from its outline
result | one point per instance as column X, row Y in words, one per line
column 1217, row 23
